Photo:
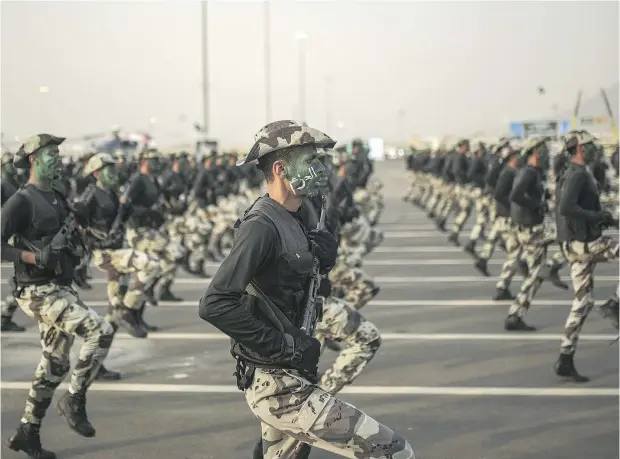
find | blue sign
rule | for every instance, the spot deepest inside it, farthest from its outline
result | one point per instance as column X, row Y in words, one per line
column 516, row 128
column 564, row 127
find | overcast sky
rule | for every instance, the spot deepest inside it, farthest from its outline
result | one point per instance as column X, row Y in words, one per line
column 453, row 67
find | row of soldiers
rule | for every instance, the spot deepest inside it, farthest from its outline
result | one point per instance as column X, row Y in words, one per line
column 147, row 218
column 526, row 201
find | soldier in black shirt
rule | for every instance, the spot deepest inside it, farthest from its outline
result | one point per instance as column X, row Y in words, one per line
column 272, row 260
column 45, row 251
column 580, row 222
column 527, row 211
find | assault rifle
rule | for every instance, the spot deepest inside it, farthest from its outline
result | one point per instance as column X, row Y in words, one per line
column 313, row 306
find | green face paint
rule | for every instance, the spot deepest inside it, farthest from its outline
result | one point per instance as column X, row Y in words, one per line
column 304, row 172
column 46, row 163
column 589, row 153
column 108, row 177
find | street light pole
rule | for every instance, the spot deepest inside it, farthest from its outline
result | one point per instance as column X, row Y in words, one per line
column 205, row 69
column 267, row 44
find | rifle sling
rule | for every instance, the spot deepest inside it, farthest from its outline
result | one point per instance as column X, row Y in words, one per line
column 278, row 318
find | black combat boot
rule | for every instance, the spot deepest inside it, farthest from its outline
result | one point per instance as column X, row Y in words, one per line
column 565, row 368
column 143, row 323
column 9, row 326
column 73, row 408
column 79, row 277
column 166, row 295
column 454, row 238
column 441, row 225
column 554, row 277
column 481, row 265
column 514, row 323
column 28, row 440
column 470, row 248
column 130, row 321
column 503, row 294
column 523, row 269
column 107, row 375
column 257, row 452
column 609, row 310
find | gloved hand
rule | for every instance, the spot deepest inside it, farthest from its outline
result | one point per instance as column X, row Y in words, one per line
column 607, row 219
column 325, row 248
column 46, row 258
column 307, row 351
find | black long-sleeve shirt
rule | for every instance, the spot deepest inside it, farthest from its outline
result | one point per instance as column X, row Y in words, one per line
column 253, row 250
column 502, row 191
column 527, row 198
column 579, row 206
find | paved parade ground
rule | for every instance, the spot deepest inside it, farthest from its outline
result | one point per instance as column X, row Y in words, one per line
column 447, row 376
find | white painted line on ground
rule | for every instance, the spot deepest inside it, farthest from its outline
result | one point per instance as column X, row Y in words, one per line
column 353, row 390
column 385, row 336
column 429, row 249
column 379, row 280
column 382, row 303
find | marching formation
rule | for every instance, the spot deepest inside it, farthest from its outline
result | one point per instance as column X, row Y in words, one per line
column 139, row 219
column 526, row 200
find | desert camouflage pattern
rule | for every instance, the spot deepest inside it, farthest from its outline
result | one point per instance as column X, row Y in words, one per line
column 509, row 234
column 464, row 204
column 292, row 411
column 481, row 205
column 284, row 134
column 126, row 261
column 357, row 287
column 583, row 258
column 62, row 316
column 8, row 306
column 98, row 161
column 360, row 338
column 534, row 242
column 158, row 245
column 32, row 144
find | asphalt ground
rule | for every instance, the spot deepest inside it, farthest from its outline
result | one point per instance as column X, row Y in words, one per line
column 447, row 376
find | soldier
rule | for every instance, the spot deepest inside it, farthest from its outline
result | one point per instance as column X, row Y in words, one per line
column 460, row 168
column 9, row 186
column 503, row 226
column 580, row 221
column 140, row 203
column 527, row 211
column 109, row 256
column 475, row 175
column 34, row 216
column 276, row 361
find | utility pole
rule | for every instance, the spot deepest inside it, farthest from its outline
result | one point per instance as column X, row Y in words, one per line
column 267, row 44
column 205, row 69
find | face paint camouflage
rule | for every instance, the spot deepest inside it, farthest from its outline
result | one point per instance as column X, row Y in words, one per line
column 589, row 153
column 304, row 173
column 108, row 177
column 46, row 163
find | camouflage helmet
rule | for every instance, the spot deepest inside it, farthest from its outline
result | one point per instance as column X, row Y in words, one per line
column 97, row 162
column 7, row 157
column 33, row 144
column 150, row 153
column 532, row 144
column 285, row 134
column 576, row 138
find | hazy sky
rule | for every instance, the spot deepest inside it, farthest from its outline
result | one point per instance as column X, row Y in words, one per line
column 454, row 67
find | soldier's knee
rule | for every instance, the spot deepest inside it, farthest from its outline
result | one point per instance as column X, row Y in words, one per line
column 106, row 335
column 369, row 336
column 60, row 367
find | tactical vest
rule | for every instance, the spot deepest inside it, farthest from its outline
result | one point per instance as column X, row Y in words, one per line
column 285, row 279
column 106, row 210
column 147, row 198
column 46, row 221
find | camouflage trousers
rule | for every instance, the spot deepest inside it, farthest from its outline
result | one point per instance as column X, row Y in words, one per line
column 494, row 234
column 292, row 410
column 583, row 258
column 62, row 316
column 355, row 285
column 481, row 204
column 9, row 305
column 361, row 339
column 509, row 233
column 199, row 229
column 158, row 245
column 464, row 204
column 445, row 204
column 534, row 243
column 125, row 261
